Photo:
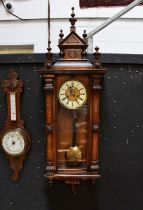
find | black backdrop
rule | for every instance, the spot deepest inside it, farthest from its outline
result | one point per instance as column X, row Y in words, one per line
column 121, row 144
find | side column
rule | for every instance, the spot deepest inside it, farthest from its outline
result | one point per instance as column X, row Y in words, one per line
column 96, row 87
column 50, row 125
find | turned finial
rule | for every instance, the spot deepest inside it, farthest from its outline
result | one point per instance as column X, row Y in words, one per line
column 73, row 20
column 97, row 54
column 49, row 55
column 61, row 35
column 84, row 36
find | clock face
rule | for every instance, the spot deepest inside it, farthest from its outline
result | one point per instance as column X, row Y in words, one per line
column 72, row 94
column 13, row 143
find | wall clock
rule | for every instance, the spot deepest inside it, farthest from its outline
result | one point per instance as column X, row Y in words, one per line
column 15, row 140
column 72, row 86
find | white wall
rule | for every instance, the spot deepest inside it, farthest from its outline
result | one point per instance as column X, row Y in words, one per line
column 123, row 36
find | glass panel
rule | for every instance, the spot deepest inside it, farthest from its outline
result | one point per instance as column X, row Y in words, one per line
column 72, row 137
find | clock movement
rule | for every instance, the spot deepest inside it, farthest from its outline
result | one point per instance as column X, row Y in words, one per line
column 15, row 140
column 72, row 93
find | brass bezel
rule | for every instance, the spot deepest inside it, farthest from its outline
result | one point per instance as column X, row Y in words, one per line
column 64, row 104
column 18, row 130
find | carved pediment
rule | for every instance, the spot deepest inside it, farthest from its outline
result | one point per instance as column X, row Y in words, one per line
column 72, row 39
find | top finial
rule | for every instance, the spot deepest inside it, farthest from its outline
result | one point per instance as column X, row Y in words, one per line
column 72, row 12
column 61, row 35
column 49, row 60
column 97, row 54
column 72, row 20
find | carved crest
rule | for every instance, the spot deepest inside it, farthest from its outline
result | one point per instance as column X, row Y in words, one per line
column 12, row 83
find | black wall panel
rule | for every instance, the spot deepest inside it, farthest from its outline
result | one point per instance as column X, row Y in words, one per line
column 121, row 146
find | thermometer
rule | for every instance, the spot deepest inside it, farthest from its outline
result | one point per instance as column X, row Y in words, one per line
column 13, row 106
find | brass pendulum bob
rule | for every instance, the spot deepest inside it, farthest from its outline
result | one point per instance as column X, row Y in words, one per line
column 74, row 153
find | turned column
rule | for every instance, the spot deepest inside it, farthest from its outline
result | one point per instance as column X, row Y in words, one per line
column 95, row 122
column 50, row 123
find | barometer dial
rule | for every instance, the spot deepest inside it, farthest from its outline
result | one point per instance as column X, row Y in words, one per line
column 13, row 143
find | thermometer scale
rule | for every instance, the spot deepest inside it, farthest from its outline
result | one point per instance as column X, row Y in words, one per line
column 13, row 106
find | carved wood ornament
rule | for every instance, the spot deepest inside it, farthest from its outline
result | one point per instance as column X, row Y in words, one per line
column 15, row 140
column 72, row 87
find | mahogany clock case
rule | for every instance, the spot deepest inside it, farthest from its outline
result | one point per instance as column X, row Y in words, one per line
column 121, row 145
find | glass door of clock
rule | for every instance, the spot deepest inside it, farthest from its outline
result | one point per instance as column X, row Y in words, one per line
column 72, row 137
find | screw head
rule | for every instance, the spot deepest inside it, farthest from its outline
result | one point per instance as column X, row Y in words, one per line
column 9, row 6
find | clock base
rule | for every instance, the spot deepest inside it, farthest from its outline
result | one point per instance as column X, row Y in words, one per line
column 73, row 180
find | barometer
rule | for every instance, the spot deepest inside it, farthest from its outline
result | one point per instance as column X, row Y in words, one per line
column 15, row 140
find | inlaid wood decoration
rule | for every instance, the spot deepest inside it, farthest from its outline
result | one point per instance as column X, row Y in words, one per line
column 100, row 3
column 72, row 98
column 15, row 140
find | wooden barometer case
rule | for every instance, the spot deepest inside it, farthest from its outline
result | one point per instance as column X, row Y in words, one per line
column 72, row 86
column 15, row 140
